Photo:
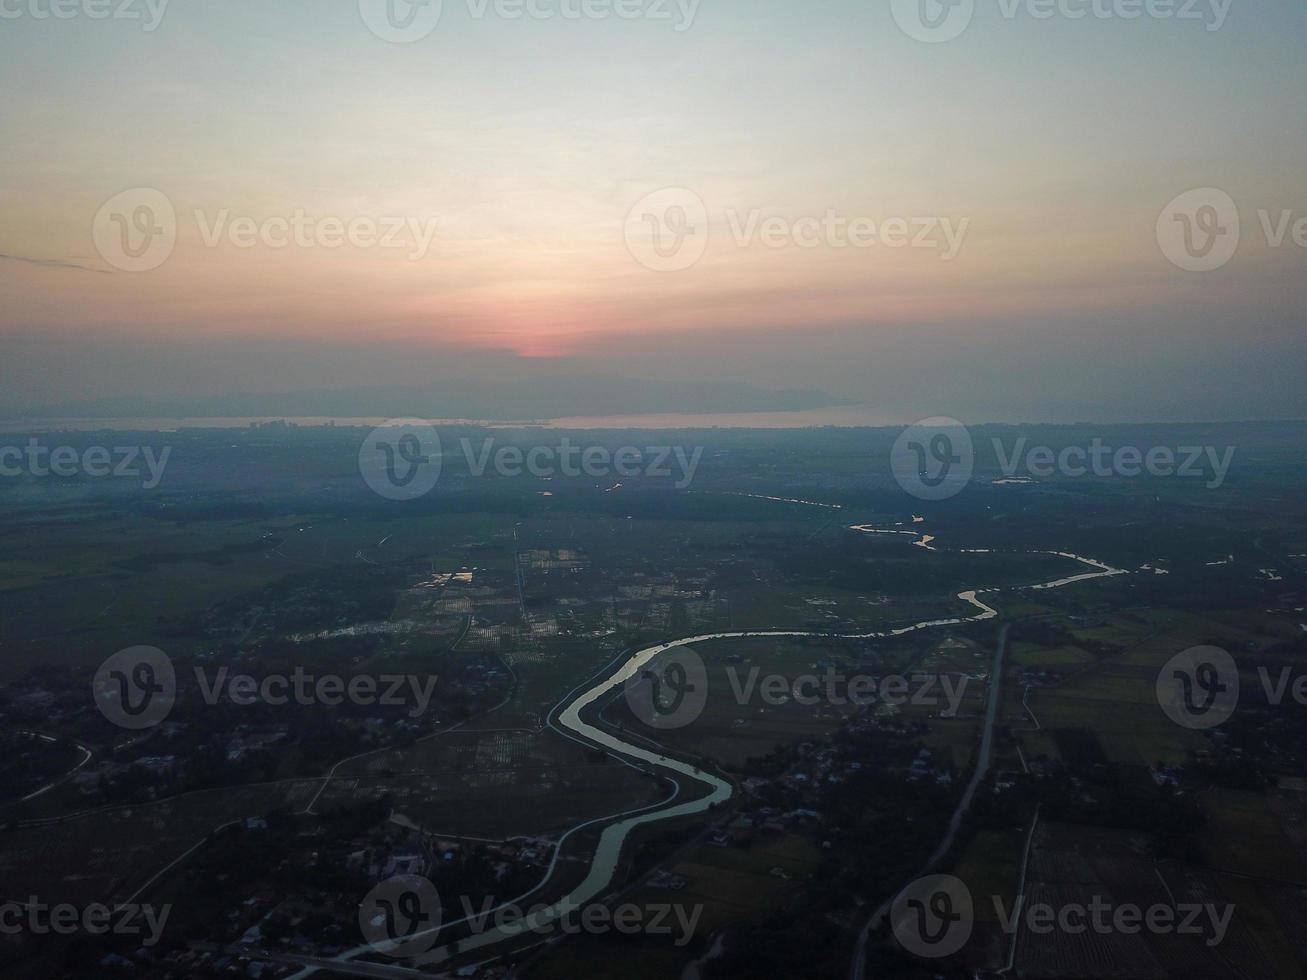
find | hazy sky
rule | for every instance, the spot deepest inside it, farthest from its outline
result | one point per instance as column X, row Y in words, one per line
column 1030, row 156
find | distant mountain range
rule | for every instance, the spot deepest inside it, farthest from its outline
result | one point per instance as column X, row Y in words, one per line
column 463, row 398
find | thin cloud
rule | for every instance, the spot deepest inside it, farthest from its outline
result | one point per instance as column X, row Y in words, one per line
column 51, row 263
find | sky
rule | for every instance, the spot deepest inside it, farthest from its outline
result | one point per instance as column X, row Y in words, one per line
column 802, row 195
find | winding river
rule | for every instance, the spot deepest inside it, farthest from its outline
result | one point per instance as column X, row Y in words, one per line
column 603, row 866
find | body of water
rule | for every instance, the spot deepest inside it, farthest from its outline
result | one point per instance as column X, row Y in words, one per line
column 849, row 416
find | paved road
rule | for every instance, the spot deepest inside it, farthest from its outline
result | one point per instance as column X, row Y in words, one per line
column 983, row 759
column 59, row 780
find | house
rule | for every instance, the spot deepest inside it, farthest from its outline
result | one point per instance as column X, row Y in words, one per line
column 405, row 864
